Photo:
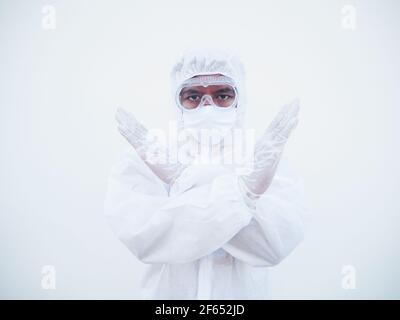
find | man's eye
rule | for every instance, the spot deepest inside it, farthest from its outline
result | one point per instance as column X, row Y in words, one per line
column 193, row 98
column 224, row 97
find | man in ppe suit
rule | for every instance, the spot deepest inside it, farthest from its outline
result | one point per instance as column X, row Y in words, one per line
column 207, row 231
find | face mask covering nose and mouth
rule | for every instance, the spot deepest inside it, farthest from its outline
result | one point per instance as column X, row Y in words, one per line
column 209, row 107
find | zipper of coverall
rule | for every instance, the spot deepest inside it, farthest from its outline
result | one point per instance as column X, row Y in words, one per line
column 204, row 279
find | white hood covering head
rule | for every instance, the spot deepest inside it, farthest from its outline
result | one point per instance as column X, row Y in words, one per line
column 210, row 61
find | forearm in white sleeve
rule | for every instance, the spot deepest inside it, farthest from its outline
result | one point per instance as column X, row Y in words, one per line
column 162, row 228
column 276, row 227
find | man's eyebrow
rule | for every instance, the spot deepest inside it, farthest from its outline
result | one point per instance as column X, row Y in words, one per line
column 225, row 90
column 189, row 91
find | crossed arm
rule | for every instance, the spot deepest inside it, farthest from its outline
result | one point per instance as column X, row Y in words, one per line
column 160, row 228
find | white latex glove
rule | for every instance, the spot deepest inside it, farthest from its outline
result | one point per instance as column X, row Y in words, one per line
column 140, row 138
column 268, row 152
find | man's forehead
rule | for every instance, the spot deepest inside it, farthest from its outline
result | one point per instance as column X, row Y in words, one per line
column 208, row 79
column 211, row 88
column 206, row 76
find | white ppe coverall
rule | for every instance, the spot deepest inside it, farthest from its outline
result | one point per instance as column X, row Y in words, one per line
column 197, row 236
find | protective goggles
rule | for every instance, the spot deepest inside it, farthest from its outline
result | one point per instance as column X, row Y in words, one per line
column 214, row 90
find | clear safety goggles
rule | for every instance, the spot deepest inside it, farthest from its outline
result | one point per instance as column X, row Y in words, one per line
column 214, row 90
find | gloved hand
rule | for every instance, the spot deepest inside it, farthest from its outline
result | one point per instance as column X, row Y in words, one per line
column 268, row 151
column 145, row 143
column 132, row 130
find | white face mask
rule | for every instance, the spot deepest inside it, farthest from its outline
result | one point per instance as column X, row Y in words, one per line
column 209, row 123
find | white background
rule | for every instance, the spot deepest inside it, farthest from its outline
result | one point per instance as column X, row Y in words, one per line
column 59, row 90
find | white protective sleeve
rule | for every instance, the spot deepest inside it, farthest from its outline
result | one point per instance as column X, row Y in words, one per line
column 166, row 227
column 159, row 227
column 277, row 226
